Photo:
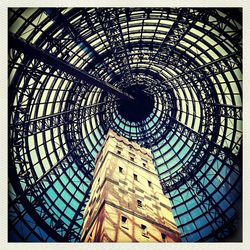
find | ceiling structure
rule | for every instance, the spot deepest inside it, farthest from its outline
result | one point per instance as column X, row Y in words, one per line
column 169, row 79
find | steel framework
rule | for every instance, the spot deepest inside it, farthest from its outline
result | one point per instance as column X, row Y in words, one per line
column 70, row 71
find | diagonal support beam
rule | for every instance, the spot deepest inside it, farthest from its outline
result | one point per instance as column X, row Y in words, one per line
column 32, row 51
column 50, row 121
column 207, row 148
column 215, row 67
column 62, row 21
column 215, row 149
column 109, row 20
column 185, row 21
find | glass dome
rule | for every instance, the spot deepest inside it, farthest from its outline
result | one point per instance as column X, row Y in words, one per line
column 182, row 66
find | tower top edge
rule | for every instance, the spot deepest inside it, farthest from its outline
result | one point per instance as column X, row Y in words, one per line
column 112, row 134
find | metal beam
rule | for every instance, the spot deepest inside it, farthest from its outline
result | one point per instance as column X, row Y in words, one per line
column 24, row 190
column 30, row 209
column 50, row 121
column 61, row 21
column 202, row 151
column 185, row 21
column 17, row 43
column 215, row 67
column 210, row 207
column 109, row 20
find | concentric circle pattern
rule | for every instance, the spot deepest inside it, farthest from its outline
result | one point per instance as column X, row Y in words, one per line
column 182, row 66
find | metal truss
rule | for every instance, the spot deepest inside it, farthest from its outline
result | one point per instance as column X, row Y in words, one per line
column 213, row 68
column 186, row 18
column 204, row 148
column 69, row 31
column 30, row 195
column 73, row 34
column 234, row 33
column 57, row 63
column 109, row 19
column 220, row 222
column 68, row 70
column 78, row 116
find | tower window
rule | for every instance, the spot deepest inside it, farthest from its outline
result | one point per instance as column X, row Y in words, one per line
column 120, row 170
column 144, row 164
column 144, row 230
column 118, row 152
column 149, row 183
column 124, row 221
column 139, row 203
column 163, row 236
column 135, row 177
column 132, row 158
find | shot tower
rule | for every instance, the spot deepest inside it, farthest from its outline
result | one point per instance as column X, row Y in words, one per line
column 127, row 203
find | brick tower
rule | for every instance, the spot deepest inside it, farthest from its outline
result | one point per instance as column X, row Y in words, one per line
column 126, row 202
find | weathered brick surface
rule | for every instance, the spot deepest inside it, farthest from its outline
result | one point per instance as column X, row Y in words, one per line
column 115, row 192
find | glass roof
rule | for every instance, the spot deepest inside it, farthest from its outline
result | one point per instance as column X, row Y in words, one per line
column 188, row 61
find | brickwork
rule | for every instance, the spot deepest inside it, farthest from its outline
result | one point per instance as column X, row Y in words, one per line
column 127, row 203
